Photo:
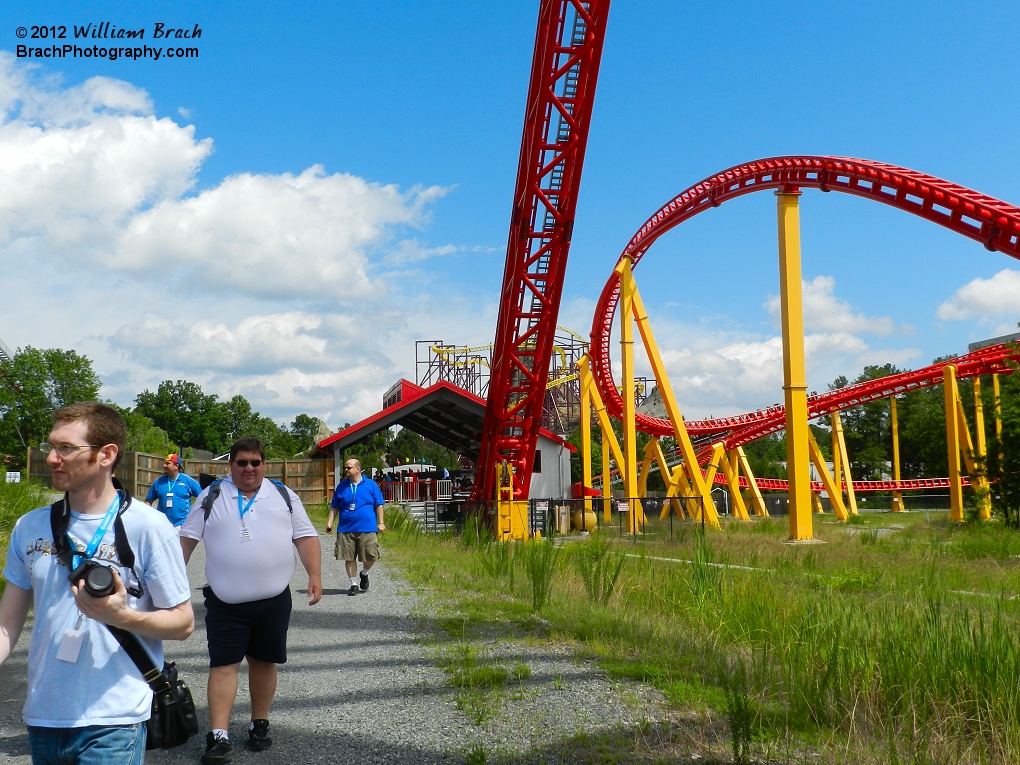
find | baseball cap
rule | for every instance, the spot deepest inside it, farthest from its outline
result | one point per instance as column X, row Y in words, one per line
column 173, row 458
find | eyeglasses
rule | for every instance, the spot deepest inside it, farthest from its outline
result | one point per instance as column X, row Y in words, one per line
column 246, row 463
column 351, row 467
column 65, row 450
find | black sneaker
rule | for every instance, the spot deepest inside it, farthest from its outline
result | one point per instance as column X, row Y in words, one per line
column 217, row 750
column 364, row 582
column 258, row 736
column 354, row 590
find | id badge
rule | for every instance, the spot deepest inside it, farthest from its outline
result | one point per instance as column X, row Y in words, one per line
column 245, row 534
column 169, row 500
column 351, row 507
column 70, row 645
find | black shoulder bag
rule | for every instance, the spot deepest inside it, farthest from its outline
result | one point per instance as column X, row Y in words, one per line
column 173, row 720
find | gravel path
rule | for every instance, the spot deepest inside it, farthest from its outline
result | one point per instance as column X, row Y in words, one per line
column 363, row 686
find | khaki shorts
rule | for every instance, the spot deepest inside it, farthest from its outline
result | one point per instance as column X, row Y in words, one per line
column 360, row 545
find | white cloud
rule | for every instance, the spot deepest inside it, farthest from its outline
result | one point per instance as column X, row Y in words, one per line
column 824, row 312
column 106, row 248
column 984, row 298
column 303, row 236
column 719, row 373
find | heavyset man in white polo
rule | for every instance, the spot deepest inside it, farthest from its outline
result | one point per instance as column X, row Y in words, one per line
column 249, row 537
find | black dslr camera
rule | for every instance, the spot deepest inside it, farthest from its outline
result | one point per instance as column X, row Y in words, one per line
column 99, row 581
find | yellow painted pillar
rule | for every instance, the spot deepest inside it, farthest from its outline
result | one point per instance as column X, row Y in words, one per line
column 837, row 458
column 897, row 497
column 629, row 470
column 998, row 408
column 607, row 484
column 794, row 376
column 851, row 497
column 816, row 502
column 979, row 423
column 953, row 442
column 586, row 446
column 753, row 492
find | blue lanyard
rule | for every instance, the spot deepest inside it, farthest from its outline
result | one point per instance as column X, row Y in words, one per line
column 104, row 526
column 354, row 493
column 246, row 508
column 171, row 487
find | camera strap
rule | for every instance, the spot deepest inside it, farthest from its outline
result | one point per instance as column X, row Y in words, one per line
column 60, row 519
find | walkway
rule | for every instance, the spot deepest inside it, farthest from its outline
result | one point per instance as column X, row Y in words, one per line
column 361, row 686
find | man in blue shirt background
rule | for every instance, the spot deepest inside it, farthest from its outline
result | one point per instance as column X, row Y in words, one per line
column 174, row 491
column 358, row 507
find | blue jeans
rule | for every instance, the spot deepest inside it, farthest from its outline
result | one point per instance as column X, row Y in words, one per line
column 91, row 745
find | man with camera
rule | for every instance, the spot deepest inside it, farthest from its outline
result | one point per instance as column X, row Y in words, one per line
column 87, row 701
column 250, row 528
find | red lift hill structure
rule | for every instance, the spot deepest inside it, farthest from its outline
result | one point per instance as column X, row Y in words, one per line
column 507, row 406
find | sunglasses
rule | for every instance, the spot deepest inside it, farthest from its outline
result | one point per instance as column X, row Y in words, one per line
column 246, row 463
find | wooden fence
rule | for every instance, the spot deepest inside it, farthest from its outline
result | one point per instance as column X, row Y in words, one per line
column 311, row 480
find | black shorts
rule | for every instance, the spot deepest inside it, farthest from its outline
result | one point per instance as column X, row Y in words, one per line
column 257, row 629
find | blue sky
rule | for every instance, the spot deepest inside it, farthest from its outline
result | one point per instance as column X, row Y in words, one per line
column 185, row 234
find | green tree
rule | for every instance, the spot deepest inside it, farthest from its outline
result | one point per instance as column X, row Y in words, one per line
column 33, row 384
column 143, row 434
column 867, row 429
column 187, row 414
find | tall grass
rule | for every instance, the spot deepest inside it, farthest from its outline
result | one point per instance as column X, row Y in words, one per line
column 539, row 564
column 16, row 499
column 875, row 645
column 599, row 568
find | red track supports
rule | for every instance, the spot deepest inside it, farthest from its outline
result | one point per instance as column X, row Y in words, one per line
column 568, row 49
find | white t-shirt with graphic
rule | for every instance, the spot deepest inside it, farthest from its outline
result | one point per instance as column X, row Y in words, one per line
column 104, row 687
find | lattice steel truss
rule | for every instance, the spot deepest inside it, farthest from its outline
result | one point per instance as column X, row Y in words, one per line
column 564, row 72
column 465, row 367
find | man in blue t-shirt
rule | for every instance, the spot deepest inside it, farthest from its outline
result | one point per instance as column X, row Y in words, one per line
column 358, row 507
column 174, row 491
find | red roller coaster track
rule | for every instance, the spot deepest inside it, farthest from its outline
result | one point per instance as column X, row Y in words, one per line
column 994, row 223
column 568, row 49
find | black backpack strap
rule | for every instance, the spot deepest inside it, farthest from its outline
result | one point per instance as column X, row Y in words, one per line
column 214, row 492
column 210, row 497
column 60, row 519
column 284, row 493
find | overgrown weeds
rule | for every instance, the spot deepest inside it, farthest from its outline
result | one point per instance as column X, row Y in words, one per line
column 599, row 568
column 16, row 499
column 539, row 563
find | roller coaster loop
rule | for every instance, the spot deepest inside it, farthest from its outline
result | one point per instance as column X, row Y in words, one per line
column 994, row 223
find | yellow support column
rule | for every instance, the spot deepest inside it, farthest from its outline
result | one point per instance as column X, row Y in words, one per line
column 998, row 408
column 794, row 376
column 953, row 442
column 984, row 500
column 753, row 492
column 586, row 447
column 700, row 489
column 731, row 468
column 851, row 497
column 816, row 503
column 832, row 487
column 978, row 482
column 607, row 482
column 629, row 469
column 897, row 497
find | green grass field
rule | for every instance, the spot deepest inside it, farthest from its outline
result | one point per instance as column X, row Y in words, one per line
column 893, row 642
